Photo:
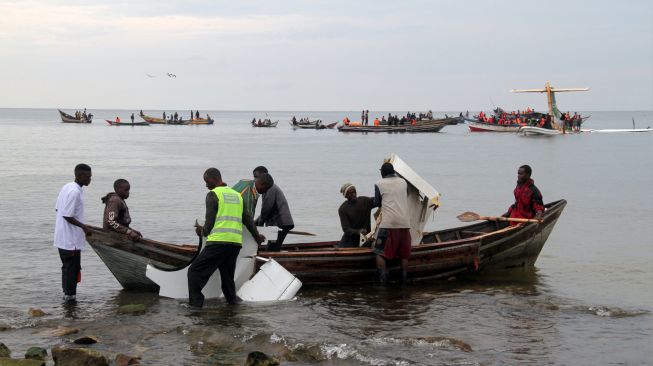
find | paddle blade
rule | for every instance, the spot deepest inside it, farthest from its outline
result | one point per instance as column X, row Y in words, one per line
column 468, row 216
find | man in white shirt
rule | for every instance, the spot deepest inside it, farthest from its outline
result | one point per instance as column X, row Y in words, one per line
column 70, row 231
column 393, row 241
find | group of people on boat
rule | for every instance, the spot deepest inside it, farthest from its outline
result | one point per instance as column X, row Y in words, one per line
column 83, row 116
column 261, row 123
column 305, row 121
column 393, row 239
column 230, row 209
column 531, row 118
column 392, row 120
column 571, row 123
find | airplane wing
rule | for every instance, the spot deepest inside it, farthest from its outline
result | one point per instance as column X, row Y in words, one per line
column 557, row 90
column 528, row 91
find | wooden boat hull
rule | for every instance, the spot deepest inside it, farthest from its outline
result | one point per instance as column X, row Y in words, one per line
column 114, row 123
column 313, row 126
column 491, row 127
column 67, row 118
column 201, row 121
column 127, row 260
column 272, row 124
column 161, row 121
column 471, row 249
column 434, row 125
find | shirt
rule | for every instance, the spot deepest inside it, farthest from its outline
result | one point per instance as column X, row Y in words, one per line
column 355, row 216
column 528, row 201
column 116, row 214
column 391, row 193
column 275, row 210
column 70, row 203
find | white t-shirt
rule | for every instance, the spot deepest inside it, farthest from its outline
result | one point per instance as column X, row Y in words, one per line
column 69, row 204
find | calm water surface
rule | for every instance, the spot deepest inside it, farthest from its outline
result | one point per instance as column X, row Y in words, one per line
column 587, row 301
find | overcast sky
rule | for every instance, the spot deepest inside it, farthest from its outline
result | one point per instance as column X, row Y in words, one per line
column 325, row 55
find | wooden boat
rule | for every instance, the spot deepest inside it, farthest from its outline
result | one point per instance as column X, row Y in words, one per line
column 443, row 254
column 201, row 121
column 478, row 126
column 313, row 126
column 153, row 120
column 433, row 125
column 484, row 246
column 538, row 131
column 161, row 121
column 67, row 118
column 114, row 123
column 271, row 124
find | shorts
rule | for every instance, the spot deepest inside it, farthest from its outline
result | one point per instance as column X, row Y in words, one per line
column 393, row 243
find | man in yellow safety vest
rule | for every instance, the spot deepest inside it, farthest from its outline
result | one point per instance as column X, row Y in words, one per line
column 223, row 228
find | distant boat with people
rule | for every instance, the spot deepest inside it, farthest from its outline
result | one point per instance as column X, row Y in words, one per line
column 119, row 123
column 429, row 125
column 79, row 117
column 264, row 123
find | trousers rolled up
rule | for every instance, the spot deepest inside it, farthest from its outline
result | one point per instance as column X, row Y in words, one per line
column 275, row 246
column 214, row 257
column 70, row 266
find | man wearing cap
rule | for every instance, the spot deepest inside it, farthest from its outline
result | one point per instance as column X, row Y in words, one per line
column 354, row 216
column 393, row 240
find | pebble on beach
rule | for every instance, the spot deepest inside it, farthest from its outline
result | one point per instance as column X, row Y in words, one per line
column 124, row 360
column 134, row 309
column 36, row 312
column 4, row 351
column 78, row 357
column 86, row 340
column 36, row 353
column 20, row 362
column 257, row 358
column 63, row 331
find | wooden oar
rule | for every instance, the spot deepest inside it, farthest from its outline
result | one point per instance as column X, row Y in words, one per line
column 473, row 216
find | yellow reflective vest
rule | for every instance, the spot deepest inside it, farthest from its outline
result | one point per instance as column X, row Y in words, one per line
column 228, row 224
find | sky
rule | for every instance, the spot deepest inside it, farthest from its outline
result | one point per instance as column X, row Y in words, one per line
column 325, row 55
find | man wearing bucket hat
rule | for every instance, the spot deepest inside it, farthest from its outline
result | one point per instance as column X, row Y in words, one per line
column 354, row 216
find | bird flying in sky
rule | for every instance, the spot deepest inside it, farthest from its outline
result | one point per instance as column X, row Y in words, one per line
column 150, row 76
column 171, row 75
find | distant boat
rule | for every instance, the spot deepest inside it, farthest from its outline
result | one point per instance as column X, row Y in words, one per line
column 114, row 123
column 153, row 120
column 479, row 126
column 201, row 121
column 313, row 126
column 432, row 125
column 265, row 124
column 67, row 118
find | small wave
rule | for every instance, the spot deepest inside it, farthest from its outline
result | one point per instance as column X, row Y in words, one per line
column 614, row 312
column 438, row 342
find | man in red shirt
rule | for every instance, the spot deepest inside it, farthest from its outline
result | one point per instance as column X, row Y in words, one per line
column 528, row 199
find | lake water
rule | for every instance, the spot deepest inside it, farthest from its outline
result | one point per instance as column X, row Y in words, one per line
column 588, row 300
